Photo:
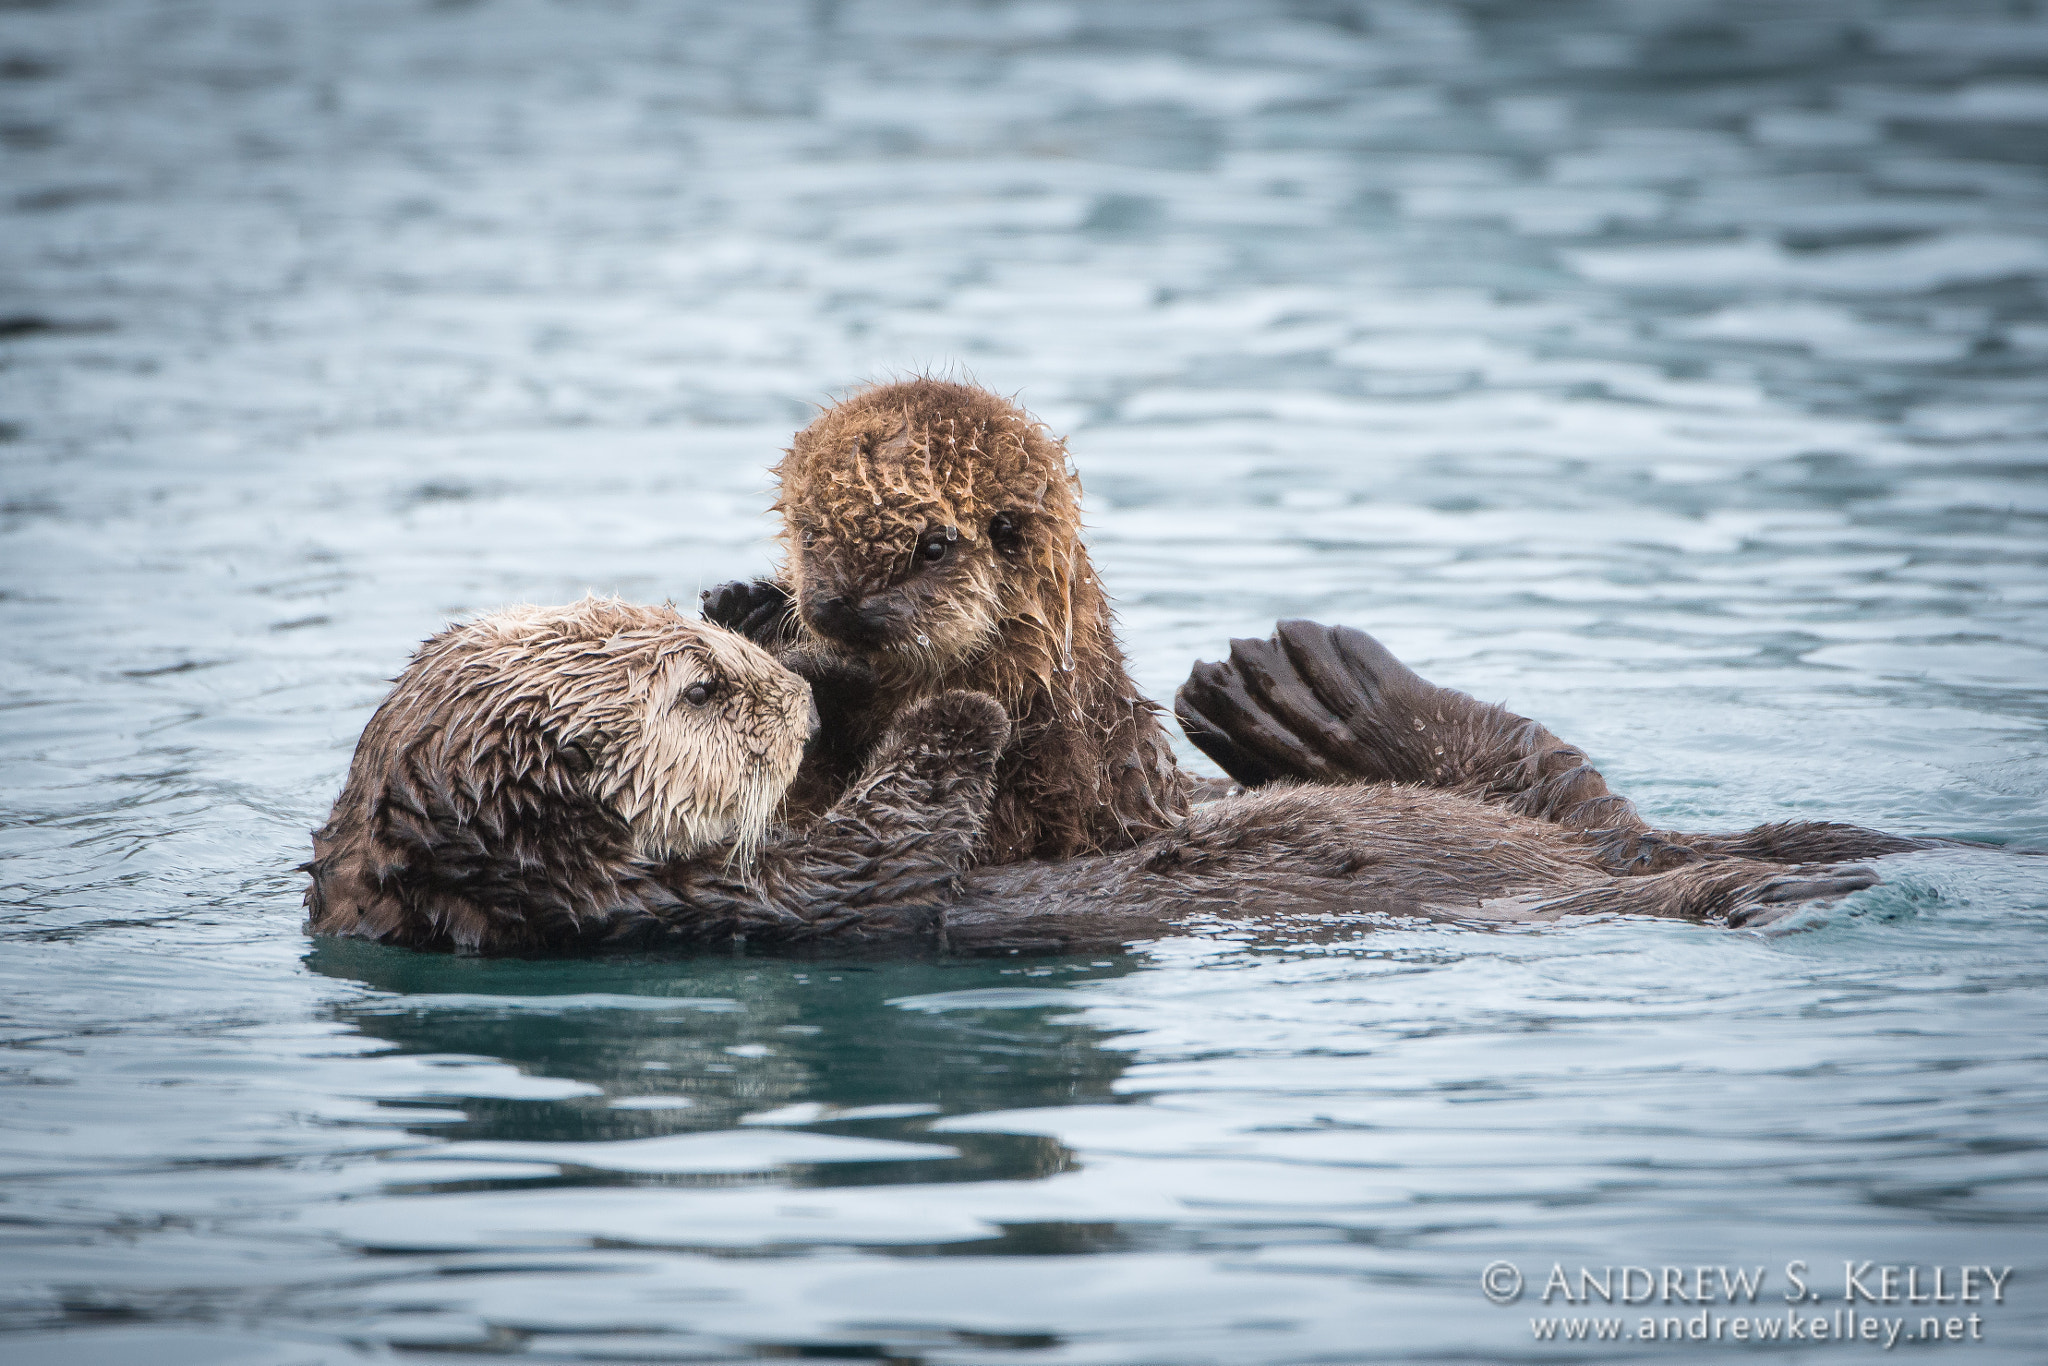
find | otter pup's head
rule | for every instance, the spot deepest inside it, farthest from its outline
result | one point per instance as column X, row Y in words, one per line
column 675, row 735
column 928, row 523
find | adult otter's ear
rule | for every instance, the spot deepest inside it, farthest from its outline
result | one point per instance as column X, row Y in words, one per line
column 1006, row 532
column 580, row 756
column 762, row 610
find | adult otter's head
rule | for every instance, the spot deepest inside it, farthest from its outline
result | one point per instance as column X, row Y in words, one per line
column 673, row 734
column 928, row 523
column 526, row 764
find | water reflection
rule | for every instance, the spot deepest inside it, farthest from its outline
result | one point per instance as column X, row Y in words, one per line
column 655, row 1046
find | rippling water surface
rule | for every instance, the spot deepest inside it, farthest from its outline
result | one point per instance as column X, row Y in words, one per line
column 1671, row 371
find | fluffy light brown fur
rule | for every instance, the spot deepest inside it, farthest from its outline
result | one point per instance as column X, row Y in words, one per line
column 933, row 530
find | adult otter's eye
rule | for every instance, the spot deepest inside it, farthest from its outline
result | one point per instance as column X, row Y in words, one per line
column 697, row 694
column 936, row 545
column 1005, row 532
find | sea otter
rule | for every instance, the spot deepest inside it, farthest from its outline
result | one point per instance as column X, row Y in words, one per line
column 549, row 779
column 931, row 532
column 601, row 776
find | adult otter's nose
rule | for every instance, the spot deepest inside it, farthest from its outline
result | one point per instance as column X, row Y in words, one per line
column 854, row 621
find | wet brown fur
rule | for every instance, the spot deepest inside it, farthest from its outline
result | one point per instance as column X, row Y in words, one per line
column 496, row 804
column 1295, row 856
column 1014, row 610
column 1371, row 792
column 540, row 780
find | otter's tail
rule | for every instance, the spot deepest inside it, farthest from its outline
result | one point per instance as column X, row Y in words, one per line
column 1329, row 704
column 1741, row 893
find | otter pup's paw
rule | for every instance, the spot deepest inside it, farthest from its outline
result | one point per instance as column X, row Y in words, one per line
column 1779, row 897
column 962, row 724
column 760, row 609
column 842, row 687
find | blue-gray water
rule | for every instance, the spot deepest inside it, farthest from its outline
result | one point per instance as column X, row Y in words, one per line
column 1671, row 371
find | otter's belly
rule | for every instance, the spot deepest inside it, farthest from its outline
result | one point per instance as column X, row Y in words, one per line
column 1282, row 853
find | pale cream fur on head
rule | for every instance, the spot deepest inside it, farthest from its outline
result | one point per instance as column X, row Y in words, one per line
column 614, row 680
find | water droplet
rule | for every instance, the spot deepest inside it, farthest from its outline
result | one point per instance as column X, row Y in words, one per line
column 924, row 640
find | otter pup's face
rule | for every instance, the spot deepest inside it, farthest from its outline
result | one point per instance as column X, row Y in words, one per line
column 935, row 593
column 688, row 733
column 930, row 523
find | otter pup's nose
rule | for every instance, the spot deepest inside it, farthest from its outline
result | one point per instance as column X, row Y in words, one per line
column 843, row 618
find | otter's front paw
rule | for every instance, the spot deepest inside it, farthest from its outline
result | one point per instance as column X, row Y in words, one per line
column 958, row 722
column 759, row 609
column 842, row 687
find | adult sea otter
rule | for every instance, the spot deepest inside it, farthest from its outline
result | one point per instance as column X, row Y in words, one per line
column 602, row 776
column 605, row 776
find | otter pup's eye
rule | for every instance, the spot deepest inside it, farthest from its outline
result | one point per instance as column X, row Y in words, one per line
column 1005, row 533
column 697, row 694
column 936, row 545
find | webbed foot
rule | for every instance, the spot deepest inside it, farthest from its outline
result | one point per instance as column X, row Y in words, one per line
column 1329, row 704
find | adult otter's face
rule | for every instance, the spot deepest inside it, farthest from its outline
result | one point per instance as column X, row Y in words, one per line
column 688, row 733
column 930, row 523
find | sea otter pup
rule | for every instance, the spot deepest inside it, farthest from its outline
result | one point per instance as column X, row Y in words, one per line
column 932, row 532
column 602, row 776
column 548, row 779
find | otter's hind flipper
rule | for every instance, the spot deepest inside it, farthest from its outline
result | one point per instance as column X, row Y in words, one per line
column 1329, row 704
column 1302, row 705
